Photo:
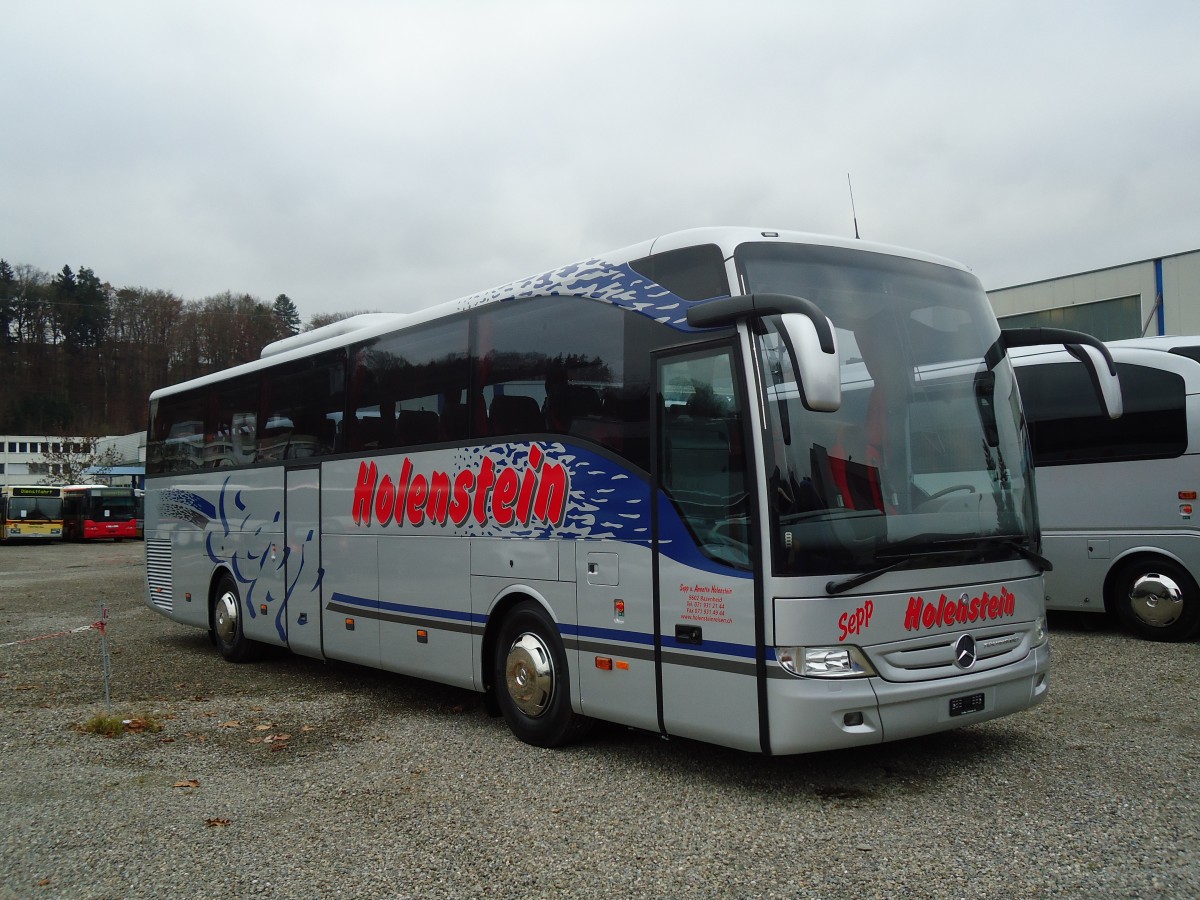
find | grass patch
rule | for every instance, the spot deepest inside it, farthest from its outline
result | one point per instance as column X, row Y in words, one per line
column 116, row 725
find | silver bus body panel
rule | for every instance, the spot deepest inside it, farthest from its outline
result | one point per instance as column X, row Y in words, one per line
column 908, row 636
column 1095, row 516
column 892, row 711
column 616, row 621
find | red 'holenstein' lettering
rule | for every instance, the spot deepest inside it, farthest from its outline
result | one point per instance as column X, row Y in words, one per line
column 506, row 495
column 921, row 614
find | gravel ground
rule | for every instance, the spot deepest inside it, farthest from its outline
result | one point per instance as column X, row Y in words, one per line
column 294, row 778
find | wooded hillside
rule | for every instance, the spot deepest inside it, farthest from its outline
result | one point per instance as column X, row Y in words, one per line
column 80, row 357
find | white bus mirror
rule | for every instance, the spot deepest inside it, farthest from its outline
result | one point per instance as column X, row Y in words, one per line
column 811, row 339
column 1085, row 348
column 1105, row 381
column 818, row 372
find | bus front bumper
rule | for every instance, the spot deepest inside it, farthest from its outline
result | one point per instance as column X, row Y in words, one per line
column 809, row 715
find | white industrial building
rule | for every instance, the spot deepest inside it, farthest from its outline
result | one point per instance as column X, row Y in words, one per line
column 23, row 460
column 1150, row 297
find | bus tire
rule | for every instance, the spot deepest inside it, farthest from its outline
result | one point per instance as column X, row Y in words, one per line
column 1157, row 599
column 226, row 619
column 532, row 684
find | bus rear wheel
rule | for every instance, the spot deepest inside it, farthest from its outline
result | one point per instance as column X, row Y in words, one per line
column 1157, row 599
column 530, row 678
column 226, row 618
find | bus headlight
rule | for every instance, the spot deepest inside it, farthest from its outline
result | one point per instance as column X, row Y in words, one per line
column 824, row 662
column 1040, row 634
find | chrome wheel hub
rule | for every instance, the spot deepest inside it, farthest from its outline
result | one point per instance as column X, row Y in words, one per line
column 1156, row 600
column 225, row 618
column 529, row 674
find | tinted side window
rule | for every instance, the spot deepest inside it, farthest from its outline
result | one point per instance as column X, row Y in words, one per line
column 231, row 423
column 410, row 388
column 302, row 408
column 569, row 367
column 1066, row 424
column 693, row 273
column 176, row 439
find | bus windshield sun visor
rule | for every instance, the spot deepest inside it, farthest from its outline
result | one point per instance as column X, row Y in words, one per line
column 812, row 342
column 1087, row 349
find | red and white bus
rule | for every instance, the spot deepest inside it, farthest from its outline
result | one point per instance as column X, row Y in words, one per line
column 767, row 490
column 93, row 512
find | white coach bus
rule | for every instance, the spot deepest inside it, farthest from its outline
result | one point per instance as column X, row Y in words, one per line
column 1117, row 498
column 762, row 489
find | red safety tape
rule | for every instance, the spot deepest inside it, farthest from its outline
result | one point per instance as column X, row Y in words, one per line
column 41, row 637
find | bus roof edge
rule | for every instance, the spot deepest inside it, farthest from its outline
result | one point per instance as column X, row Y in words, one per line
column 333, row 329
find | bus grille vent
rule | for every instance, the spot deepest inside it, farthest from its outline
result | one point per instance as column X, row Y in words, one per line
column 158, row 573
column 933, row 656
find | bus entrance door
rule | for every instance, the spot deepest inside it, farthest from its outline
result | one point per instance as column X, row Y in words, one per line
column 302, row 566
column 707, row 624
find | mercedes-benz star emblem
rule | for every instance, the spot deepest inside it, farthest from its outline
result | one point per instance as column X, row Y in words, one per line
column 964, row 652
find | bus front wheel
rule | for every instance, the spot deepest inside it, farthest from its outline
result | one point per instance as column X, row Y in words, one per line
column 530, row 678
column 227, row 632
column 1157, row 599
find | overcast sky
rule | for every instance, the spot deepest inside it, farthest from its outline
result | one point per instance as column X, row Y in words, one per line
column 390, row 155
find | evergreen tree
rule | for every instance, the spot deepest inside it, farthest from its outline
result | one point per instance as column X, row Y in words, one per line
column 89, row 320
column 8, row 293
column 287, row 315
column 62, row 296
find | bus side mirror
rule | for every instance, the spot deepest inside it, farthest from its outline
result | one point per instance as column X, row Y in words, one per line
column 1085, row 348
column 1104, row 381
column 817, row 370
column 810, row 336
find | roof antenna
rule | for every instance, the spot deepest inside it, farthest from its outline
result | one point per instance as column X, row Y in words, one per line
column 853, row 211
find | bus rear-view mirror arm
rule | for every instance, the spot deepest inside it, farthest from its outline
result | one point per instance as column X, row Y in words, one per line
column 812, row 342
column 1087, row 349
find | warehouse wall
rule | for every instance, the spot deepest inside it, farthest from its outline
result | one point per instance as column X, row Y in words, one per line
column 1113, row 303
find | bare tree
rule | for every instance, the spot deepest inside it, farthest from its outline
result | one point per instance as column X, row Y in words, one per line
column 71, row 460
column 318, row 320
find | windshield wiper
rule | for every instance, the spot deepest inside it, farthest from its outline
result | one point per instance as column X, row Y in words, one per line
column 837, row 587
column 1036, row 558
column 939, row 546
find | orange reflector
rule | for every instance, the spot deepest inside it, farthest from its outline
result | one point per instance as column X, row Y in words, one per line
column 422, row 636
column 350, row 624
column 1187, row 495
column 604, row 662
column 263, row 607
column 622, row 665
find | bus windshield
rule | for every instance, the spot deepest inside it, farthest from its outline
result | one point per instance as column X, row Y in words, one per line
column 927, row 456
column 35, row 509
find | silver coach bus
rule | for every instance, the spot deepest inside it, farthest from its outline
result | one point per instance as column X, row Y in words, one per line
column 1118, row 498
column 764, row 489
